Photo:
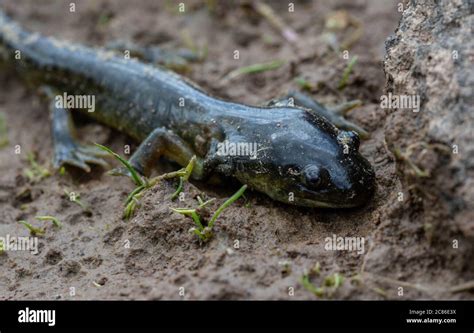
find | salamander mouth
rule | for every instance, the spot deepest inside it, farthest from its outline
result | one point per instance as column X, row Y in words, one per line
column 323, row 204
column 333, row 198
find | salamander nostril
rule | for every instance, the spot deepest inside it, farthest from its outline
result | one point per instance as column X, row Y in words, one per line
column 354, row 139
column 349, row 138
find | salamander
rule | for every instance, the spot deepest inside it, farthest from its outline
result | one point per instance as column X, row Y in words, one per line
column 290, row 152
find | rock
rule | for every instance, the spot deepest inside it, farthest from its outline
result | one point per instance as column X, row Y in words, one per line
column 431, row 55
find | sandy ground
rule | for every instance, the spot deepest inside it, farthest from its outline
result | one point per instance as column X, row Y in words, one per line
column 153, row 256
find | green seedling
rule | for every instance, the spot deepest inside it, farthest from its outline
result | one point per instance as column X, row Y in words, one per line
column 54, row 220
column 104, row 19
column 204, row 232
column 3, row 130
column 35, row 172
column 285, row 267
column 329, row 284
column 2, row 247
column 347, row 72
column 33, row 230
column 75, row 197
column 304, row 84
column 182, row 179
column 305, row 281
column 201, row 231
column 189, row 43
column 379, row 291
column 211, row 6
column 252, row 69
column 133, row 199
column 143, row 184
column 334, row 281
column 316, row 269
column 179, row 189
column 132, row 202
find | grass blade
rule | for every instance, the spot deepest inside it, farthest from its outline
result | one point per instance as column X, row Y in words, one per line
column 54, row 220
column 347, row 72
column 134, row 174
column 255, row 68
column 33, row 230
column 226, row 204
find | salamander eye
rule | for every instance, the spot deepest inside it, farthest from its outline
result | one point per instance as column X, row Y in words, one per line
column 315, row 177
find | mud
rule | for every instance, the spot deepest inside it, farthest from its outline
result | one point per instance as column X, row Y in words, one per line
column 153, row 256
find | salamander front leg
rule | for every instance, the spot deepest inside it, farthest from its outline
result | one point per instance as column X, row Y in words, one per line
column 67, row 151
column 162, row 142
column 335, row 114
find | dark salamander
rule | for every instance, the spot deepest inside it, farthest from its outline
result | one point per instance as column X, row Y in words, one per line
column 291, row 153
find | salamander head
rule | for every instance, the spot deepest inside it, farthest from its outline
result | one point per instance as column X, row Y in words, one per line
column 309, row 162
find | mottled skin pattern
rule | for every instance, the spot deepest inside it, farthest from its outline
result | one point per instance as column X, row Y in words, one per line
column 302, row 158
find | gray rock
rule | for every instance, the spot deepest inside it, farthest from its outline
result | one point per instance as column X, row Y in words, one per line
column 432, row 55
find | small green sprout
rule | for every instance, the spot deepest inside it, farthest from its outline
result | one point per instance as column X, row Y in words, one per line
column 205, row 232
column 133, row 199
column 200, row 232
column 178, row 190
column 285, row 267
column 54, row 220
column 334, row 281
column 143, row 184
column 3, row 130
column 255, row 68
column 316, row 269
column 2, row 247
column 199, row 51
column 104, row 19
column 347, row 72
column 304, row 84
column 329, row 285
column 182, row 179
column 305, row 281
column 35, row 172
column 380, row 291
column 33, row 230
column 75, row 197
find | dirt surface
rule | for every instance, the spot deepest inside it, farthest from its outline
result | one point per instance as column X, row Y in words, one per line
column 153, row 256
